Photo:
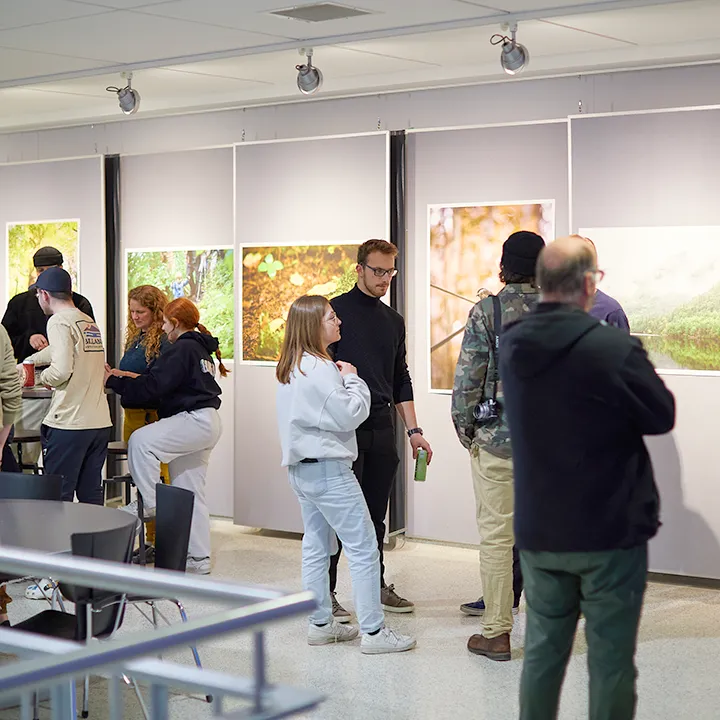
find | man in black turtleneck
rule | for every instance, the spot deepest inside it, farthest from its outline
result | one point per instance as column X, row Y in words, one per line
column 373, row 339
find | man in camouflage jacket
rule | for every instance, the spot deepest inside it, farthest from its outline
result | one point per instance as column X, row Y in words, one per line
column 489, row 444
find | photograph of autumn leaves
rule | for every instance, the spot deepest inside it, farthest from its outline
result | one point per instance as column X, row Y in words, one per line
column 273, row 277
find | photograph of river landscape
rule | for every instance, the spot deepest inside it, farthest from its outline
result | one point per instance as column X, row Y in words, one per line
column 668, row 281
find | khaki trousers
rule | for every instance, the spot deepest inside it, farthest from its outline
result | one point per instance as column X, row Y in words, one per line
column 494, row 498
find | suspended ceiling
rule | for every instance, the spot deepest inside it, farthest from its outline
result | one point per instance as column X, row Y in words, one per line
column 58, row 56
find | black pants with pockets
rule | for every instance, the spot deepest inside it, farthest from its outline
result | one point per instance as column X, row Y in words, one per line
column 79, row 456
column 375, row 470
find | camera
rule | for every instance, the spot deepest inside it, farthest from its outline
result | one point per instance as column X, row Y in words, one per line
column 486, row 411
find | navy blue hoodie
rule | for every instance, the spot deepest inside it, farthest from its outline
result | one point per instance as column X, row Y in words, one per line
column 182, row 379
column 579, row 397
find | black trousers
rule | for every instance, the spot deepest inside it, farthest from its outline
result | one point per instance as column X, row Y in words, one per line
column 79, row 456
column 375, row 470
column 517, row 576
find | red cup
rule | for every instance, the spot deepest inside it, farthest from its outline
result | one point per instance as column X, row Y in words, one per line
column 29, row 369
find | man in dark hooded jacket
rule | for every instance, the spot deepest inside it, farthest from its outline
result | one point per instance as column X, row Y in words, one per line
column 579, row 397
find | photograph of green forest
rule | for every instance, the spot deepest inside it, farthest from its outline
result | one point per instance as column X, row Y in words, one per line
column 668, row 281
column 465, row 249
column 204, row 276
column 274, row 277
column 24, row 239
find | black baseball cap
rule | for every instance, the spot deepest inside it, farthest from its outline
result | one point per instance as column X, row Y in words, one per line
column 54, row 279
column 47, row 257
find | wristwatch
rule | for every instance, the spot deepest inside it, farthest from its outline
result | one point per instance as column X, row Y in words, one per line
column 414, row 431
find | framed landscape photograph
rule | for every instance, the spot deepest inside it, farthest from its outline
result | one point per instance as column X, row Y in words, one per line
column 23, row 240
column 465, row 246
column 274, row 276
column 206, row 276
column 667, row 280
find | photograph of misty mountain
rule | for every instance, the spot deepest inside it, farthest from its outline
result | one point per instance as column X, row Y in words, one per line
column 668, row 281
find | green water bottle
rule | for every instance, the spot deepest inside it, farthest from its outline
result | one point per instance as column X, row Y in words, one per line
column 421, row 466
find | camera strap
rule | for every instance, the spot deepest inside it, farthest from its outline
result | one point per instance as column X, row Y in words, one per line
column 497, row 327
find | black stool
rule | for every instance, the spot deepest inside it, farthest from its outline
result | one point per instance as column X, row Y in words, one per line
column 118, row 449
column 25, row 438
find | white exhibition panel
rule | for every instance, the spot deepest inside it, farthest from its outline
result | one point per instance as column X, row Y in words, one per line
column 185, row 200
column 659, row 170
column 62, row 190
column 473, row 167
column 317, row 191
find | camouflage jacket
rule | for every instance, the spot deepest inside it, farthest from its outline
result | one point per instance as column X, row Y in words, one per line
column 475, row 370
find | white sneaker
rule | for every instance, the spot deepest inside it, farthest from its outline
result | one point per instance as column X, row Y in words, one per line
column 132, row 508
column 41, row 591
column 386, row 641
column 333, row 632
column 198, row 566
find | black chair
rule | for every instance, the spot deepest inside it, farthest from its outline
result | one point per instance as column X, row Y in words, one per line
column 173, row 519
column 118, row 451
column 20, row 486
column 25, row 438
column 98, row 613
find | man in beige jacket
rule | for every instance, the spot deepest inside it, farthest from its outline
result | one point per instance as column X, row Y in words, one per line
column 77, row 428
column 10, row 404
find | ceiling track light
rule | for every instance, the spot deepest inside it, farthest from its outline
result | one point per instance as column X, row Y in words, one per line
column 310, row 78
column 128, row 99
column 514, row 57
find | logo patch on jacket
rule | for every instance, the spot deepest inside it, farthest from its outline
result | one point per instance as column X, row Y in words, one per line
column 92, row 339
column 207, row 366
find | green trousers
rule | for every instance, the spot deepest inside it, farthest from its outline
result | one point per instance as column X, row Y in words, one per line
column 608, row 588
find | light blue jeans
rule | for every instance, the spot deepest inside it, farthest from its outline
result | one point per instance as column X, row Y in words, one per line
column 332, row 503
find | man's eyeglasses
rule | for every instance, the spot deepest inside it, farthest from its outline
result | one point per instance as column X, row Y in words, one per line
column 382, row 272
column 598, row 275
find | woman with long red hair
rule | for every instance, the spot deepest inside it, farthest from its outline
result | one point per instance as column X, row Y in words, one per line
column 181, row 384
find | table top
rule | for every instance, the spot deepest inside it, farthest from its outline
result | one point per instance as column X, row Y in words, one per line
column 39, row 392
column 46, row 525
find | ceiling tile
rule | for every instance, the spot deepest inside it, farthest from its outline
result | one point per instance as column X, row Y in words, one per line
column 125, row 37
column 654, row 25
column 472, row 45
column 254, row 15
column 19, row 64
column 511, row 6
column 335, row 62
column 15, row 14
column 121, row 4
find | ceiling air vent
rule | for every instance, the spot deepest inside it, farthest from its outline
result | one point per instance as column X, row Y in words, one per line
column 320, row 12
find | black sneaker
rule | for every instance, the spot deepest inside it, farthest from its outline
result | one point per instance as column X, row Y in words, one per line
column 477, row 608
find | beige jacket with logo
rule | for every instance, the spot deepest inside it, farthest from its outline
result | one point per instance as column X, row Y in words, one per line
column 77, row 367
column 10, row 386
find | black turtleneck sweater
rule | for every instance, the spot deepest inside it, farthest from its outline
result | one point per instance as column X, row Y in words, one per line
column 373, row 340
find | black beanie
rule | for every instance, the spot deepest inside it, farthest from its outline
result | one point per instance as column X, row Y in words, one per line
column 47, row 257
column 520, row 253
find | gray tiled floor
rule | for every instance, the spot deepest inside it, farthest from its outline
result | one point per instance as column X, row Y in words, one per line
column 677, row 657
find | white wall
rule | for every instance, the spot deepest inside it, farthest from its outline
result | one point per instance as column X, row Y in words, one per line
column 660, row 170
column 185, row 200
column 63, row 190
column 525, row 162
column 687, row 506
column 295, row 193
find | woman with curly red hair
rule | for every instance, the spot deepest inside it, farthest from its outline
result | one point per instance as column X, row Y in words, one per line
column 145, row 341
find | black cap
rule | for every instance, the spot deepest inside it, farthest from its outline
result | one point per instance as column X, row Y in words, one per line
column 47, row 257
column 520, row 253
column 54, row 279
